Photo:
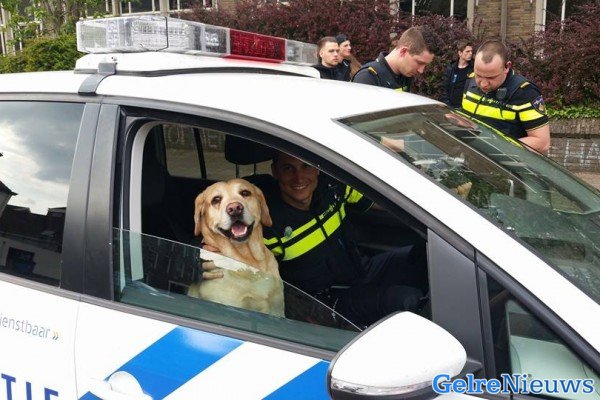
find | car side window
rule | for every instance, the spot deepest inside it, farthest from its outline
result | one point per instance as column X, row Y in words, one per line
column 37, row 147
column 158, row 274
column 200, row 153
column 524, row 346
column 158, row 258
column 180, row 144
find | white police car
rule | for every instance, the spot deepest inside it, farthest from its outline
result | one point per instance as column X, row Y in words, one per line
column 98, row 174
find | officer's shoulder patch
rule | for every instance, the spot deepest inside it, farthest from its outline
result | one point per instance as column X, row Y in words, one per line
column 524, row 84
column 372, row 70
column 539, row 105
column 471, row 75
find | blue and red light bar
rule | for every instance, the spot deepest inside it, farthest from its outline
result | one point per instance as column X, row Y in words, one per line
column 153, row 33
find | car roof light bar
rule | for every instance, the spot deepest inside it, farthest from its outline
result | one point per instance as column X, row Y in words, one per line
column 146, row 33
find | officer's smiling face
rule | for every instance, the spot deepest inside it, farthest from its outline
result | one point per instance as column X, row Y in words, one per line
column 490, row 76
column 297, row 180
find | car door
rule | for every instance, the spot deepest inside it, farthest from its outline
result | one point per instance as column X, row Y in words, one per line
column 138, row 333
column 45, row 149
column 528, row 341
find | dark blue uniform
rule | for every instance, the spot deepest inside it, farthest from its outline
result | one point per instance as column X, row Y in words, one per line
column 379, row 73
column 315, row 254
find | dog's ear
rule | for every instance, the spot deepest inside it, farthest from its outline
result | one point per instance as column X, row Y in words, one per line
column 199, row 208
column 265, row 216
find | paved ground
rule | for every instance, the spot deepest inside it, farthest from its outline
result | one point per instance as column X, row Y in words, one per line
column 591, row 178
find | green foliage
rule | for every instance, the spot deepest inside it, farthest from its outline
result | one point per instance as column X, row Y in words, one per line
column 58, row 16
column 571, row 112
column 43, row 54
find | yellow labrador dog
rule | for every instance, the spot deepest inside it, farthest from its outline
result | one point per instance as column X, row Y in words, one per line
column 230, row 215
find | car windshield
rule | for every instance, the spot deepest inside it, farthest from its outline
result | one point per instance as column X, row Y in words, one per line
column 522, row 191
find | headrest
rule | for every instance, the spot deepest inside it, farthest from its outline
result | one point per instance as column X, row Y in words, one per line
column 246, row 152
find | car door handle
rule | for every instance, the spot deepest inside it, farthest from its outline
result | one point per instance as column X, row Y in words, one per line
column 119, row 386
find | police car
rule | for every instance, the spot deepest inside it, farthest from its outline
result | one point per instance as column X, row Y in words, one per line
column 98, row 174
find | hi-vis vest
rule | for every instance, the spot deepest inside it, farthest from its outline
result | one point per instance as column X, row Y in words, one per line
column 311, row 246
column 300, row 240
column 505, row 110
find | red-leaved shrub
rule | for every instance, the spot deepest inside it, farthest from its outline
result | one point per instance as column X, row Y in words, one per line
column 563, row 60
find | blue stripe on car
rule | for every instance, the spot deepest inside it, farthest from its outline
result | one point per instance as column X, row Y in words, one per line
column 174, row 359
column 311, row 384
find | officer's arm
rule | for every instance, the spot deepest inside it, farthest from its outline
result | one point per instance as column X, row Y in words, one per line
column 538, row 138
column 396, row 145
column 209, row 269
column 534, row 119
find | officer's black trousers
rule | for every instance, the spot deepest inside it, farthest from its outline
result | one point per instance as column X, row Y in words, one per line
column 393, row 281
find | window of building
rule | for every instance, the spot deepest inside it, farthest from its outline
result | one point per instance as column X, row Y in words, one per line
column 37, row 147
column 456, row 8
column 554, row 8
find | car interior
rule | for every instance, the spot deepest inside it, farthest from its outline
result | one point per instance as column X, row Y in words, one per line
column 168, row 205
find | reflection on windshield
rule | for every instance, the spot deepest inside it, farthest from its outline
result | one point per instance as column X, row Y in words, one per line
column 520, row 190
column 173, row 268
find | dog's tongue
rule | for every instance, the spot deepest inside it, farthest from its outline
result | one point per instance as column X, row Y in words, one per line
column 239, row 229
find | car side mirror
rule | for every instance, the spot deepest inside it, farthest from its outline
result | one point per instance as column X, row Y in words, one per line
column 396, row 358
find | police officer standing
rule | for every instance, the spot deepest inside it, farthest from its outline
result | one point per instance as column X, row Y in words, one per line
column 496, row 95
column 414, row 50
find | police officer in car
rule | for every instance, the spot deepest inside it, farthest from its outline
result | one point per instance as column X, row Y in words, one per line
column 505, row 100
column 414, row 50
column 309, row 237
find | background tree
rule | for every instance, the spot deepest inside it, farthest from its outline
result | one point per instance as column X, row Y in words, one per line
column 563, row 60
column 43, row 54
column 46, row 17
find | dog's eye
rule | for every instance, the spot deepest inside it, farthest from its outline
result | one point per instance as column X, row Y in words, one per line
column 216, row 200
column 245, row 193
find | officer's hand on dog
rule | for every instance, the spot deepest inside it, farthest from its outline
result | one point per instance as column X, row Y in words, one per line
column 209, row 269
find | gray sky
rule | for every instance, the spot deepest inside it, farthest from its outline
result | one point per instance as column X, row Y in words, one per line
column 38, row 141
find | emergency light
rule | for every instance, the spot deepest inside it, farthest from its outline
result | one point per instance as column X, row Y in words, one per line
column 153, row 33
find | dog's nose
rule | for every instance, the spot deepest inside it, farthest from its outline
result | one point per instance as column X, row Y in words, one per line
column 235, row 209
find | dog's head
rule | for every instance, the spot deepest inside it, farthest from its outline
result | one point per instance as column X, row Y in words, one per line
column 231, row 209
